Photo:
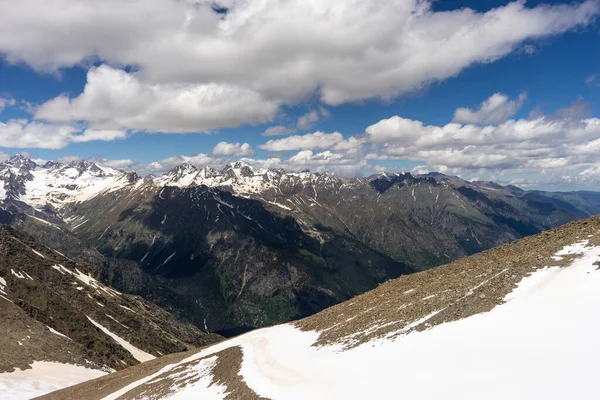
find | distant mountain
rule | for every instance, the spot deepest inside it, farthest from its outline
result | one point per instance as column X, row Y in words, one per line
column 517, row 321
column 55, row 314
column 241, row 247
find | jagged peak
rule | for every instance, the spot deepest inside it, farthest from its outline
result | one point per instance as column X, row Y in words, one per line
column 207, row 172
column 181, row 171
column 241, row 164
column 184, row 167
column 51, row 164
column 21, row 162
column 83, row 166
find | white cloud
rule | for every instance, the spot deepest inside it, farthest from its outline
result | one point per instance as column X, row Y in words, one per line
column 120, row 99
column 278, row 130
column 199, row 70
column 124, row 164
column 6, row 102
column 304, row 142
column 326, row 161
column 21, row 133
column 498, row 108
column 542, row 145
column 307, row 120
column 232, row 150
column 25, row 134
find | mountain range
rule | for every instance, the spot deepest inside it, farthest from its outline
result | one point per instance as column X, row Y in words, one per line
column 241, row 247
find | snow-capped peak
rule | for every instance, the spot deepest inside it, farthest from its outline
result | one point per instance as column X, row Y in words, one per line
column 240, row 168
column 182, row 175
column 18, row 164
column 207, row 172
column 23, row 180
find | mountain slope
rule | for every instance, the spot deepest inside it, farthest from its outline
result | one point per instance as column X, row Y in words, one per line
column 518, row 321
column 231, row 263
column 54, row 312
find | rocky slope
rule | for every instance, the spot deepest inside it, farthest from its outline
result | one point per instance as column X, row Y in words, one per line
column 230, row 262
column 517, row 321
column 54, row 311
column 241, row 247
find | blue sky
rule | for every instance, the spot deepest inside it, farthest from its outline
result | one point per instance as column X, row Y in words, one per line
column 71, row 86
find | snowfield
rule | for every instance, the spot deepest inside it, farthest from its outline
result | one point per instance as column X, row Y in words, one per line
column 43, row 377
column 542, row 343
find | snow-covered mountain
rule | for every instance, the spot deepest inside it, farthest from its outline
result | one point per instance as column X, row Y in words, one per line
column 25, row 184
column 242, row 178
column 518, row 321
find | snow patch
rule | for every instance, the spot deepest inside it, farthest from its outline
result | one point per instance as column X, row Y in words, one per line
column 57, row 332
column 43, row 377
column 3, row 286
column 38, row 253
column 138, row 354
column 203, row 387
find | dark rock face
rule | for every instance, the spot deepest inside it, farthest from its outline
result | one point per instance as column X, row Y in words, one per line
column 227, row 262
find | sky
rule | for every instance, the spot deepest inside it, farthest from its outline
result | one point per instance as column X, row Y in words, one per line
column 488, row 89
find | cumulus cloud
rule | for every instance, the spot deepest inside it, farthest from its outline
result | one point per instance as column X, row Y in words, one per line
column 25, row 134
column 546, row 145
column 304, row 142
column 21, row 133
column 199, row 70
column 496, row 109
column 116, row 98
column 123, row 164
column 232, row 150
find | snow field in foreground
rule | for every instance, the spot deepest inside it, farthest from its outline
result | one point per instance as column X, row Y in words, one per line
column 541, row 343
